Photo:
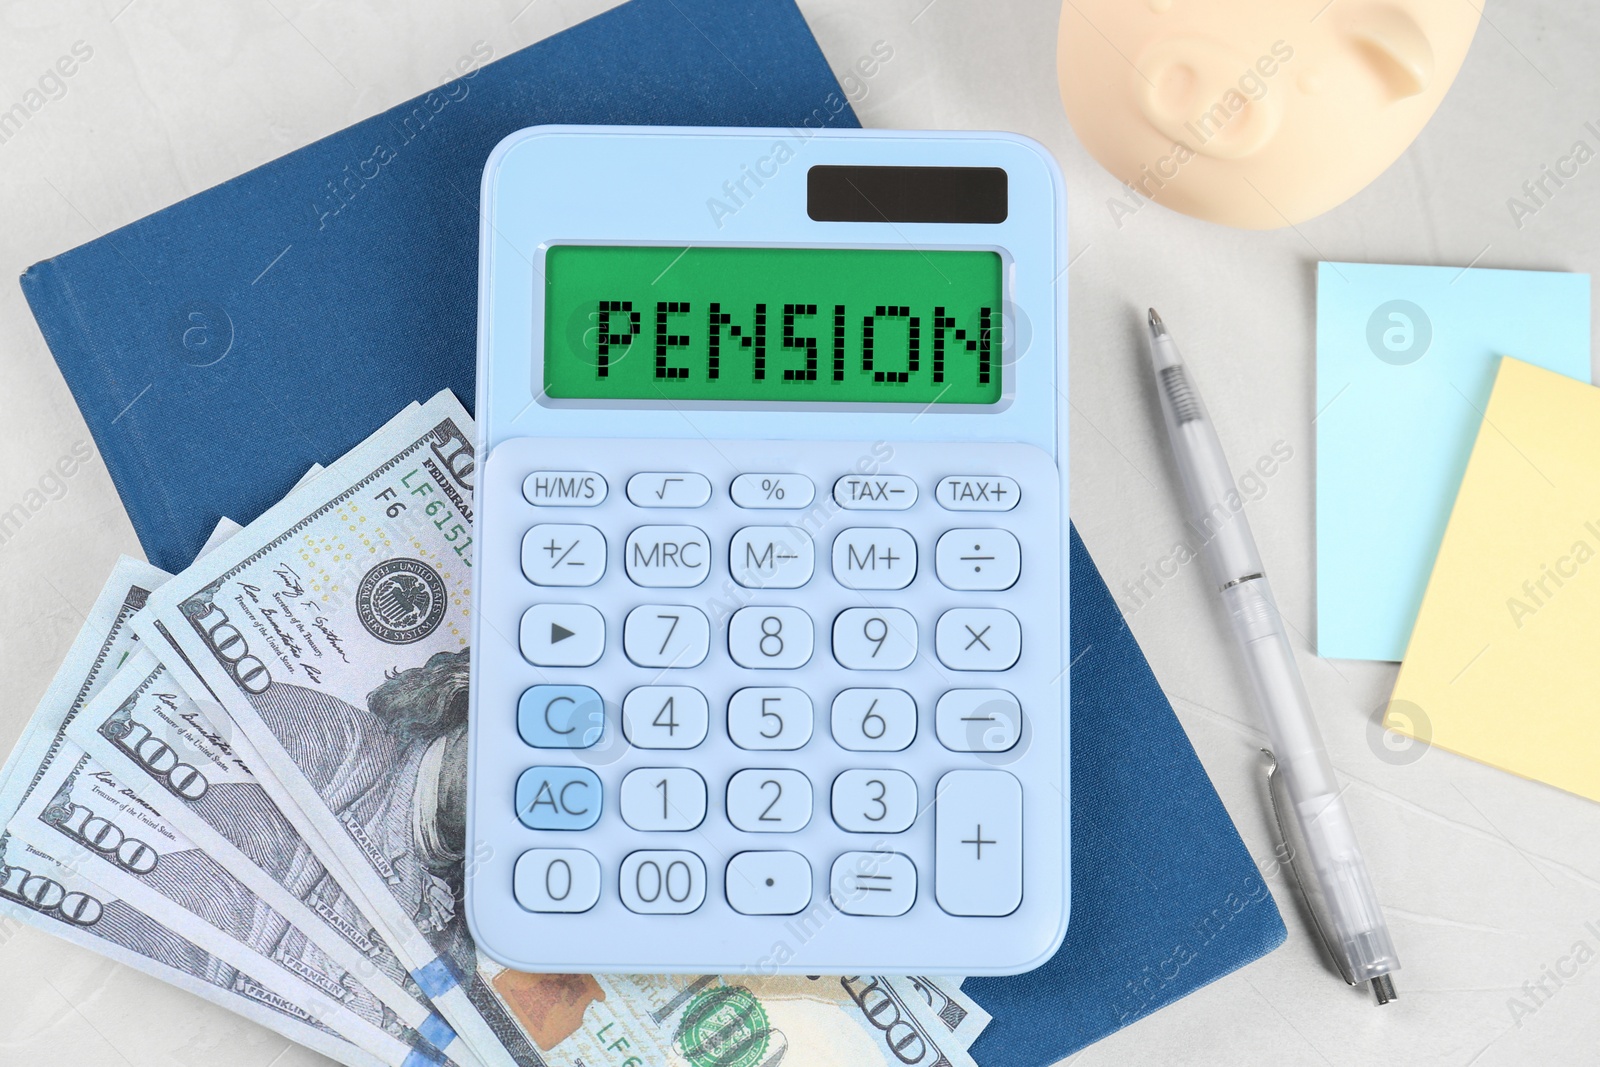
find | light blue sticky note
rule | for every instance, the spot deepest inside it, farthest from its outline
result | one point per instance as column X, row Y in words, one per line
column 1406, row 357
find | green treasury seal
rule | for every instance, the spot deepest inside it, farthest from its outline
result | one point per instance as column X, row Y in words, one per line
column 724, row 1027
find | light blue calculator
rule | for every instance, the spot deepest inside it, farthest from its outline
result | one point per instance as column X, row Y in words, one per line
column 770, row 606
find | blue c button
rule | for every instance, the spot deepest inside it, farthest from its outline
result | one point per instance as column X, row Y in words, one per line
column 561, row 716
column 558, row 798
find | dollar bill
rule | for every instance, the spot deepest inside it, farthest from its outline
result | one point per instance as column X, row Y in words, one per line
column 39, row 889
column 954, row 1010
column 80, row 814
column 332, row 633
column 151, row 736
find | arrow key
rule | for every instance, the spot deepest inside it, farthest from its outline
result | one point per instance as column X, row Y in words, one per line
column 562, row 635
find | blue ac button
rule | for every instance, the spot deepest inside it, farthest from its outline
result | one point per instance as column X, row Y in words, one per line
column 561, row 716
column 558, row 798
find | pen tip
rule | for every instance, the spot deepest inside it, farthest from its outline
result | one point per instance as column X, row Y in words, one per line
column 1157, row 327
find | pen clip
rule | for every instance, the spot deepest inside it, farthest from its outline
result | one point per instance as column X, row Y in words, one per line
column 1289, row 835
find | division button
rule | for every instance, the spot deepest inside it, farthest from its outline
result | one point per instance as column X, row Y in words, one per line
column 562, row 635
column 560, row 716
column 668, row 556
column 672, row 489
column 563, row 554
column 978, row 559
column 556, row 879
column 772, row 491
column 875, row 492
column 558, row 798
column 873, row 883
column 662, row 882
column 978, row 639
column 566, row 489
column 978, row 843
column 970, row 492
column 768, row 883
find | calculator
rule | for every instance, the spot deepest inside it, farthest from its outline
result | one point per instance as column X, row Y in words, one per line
column 769, row 614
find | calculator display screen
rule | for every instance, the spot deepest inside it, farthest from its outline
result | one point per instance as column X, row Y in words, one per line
column 805, row 325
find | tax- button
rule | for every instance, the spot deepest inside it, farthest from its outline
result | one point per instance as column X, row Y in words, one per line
column 769, row 883
column 562, row 635
column 558, row 798
column 560, row 716
column 875, row 492
column 977, row 840
column 676, row 489
column 873, row 883
column 668, row 556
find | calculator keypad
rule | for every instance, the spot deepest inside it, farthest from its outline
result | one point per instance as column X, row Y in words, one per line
column 682, row 639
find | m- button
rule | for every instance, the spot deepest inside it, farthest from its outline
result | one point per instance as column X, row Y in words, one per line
column 668, row 556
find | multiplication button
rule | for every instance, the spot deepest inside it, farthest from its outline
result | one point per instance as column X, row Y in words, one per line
column 971, row 492
column 772, row 491
column 978, row 639
column 875, row 492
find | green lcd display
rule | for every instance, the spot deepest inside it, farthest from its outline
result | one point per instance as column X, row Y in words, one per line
column 803, row 325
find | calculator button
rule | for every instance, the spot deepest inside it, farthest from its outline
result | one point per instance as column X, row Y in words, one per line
column 978, row 843
column 866, row 802
column 978, row 559
column 556, row 879
column 662, row 798
column 666, row 635
column 675, row 489
column 775, row 802
column 565, row 489
column 967, row 492
column 769, row 718
column 978, row 639
column 665, row 716
column 668, row 556
column 563, row 555
column 771, row 557
column 560, row 716
column 778, row 638
column 978, row 720
column 873, row 883
column 558, row 798
column 562, row 635
column 875, row 492
column 874, row 639
column 870, row 558
column 662, row 882
column 769, row 883
column 874, row 720
column 772, row 491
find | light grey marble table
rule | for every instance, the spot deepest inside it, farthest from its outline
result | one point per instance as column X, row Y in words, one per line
column 1488, row 879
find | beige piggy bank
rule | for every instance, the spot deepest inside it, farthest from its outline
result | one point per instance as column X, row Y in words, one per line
column 1254, row 113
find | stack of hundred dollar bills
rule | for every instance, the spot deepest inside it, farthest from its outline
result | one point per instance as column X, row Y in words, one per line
column 241, row 783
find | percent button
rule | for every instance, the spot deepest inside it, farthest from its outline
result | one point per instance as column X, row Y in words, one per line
column 772, row 491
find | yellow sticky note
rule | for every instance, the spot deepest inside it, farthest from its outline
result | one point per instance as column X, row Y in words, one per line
column 1504, row 661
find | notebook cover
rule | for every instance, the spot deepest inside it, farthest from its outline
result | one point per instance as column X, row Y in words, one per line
column 221, row 346
column 1165, row 898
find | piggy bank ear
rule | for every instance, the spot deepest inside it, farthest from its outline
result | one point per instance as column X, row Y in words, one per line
column 1394, row 46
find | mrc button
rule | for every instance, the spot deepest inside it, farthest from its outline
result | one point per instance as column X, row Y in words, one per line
column 668, row 556
column 564, row 489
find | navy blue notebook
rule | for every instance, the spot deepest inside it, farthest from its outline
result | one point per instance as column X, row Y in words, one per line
column 221, row 346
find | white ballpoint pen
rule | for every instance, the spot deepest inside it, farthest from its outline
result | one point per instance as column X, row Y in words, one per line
column 1352, row 923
